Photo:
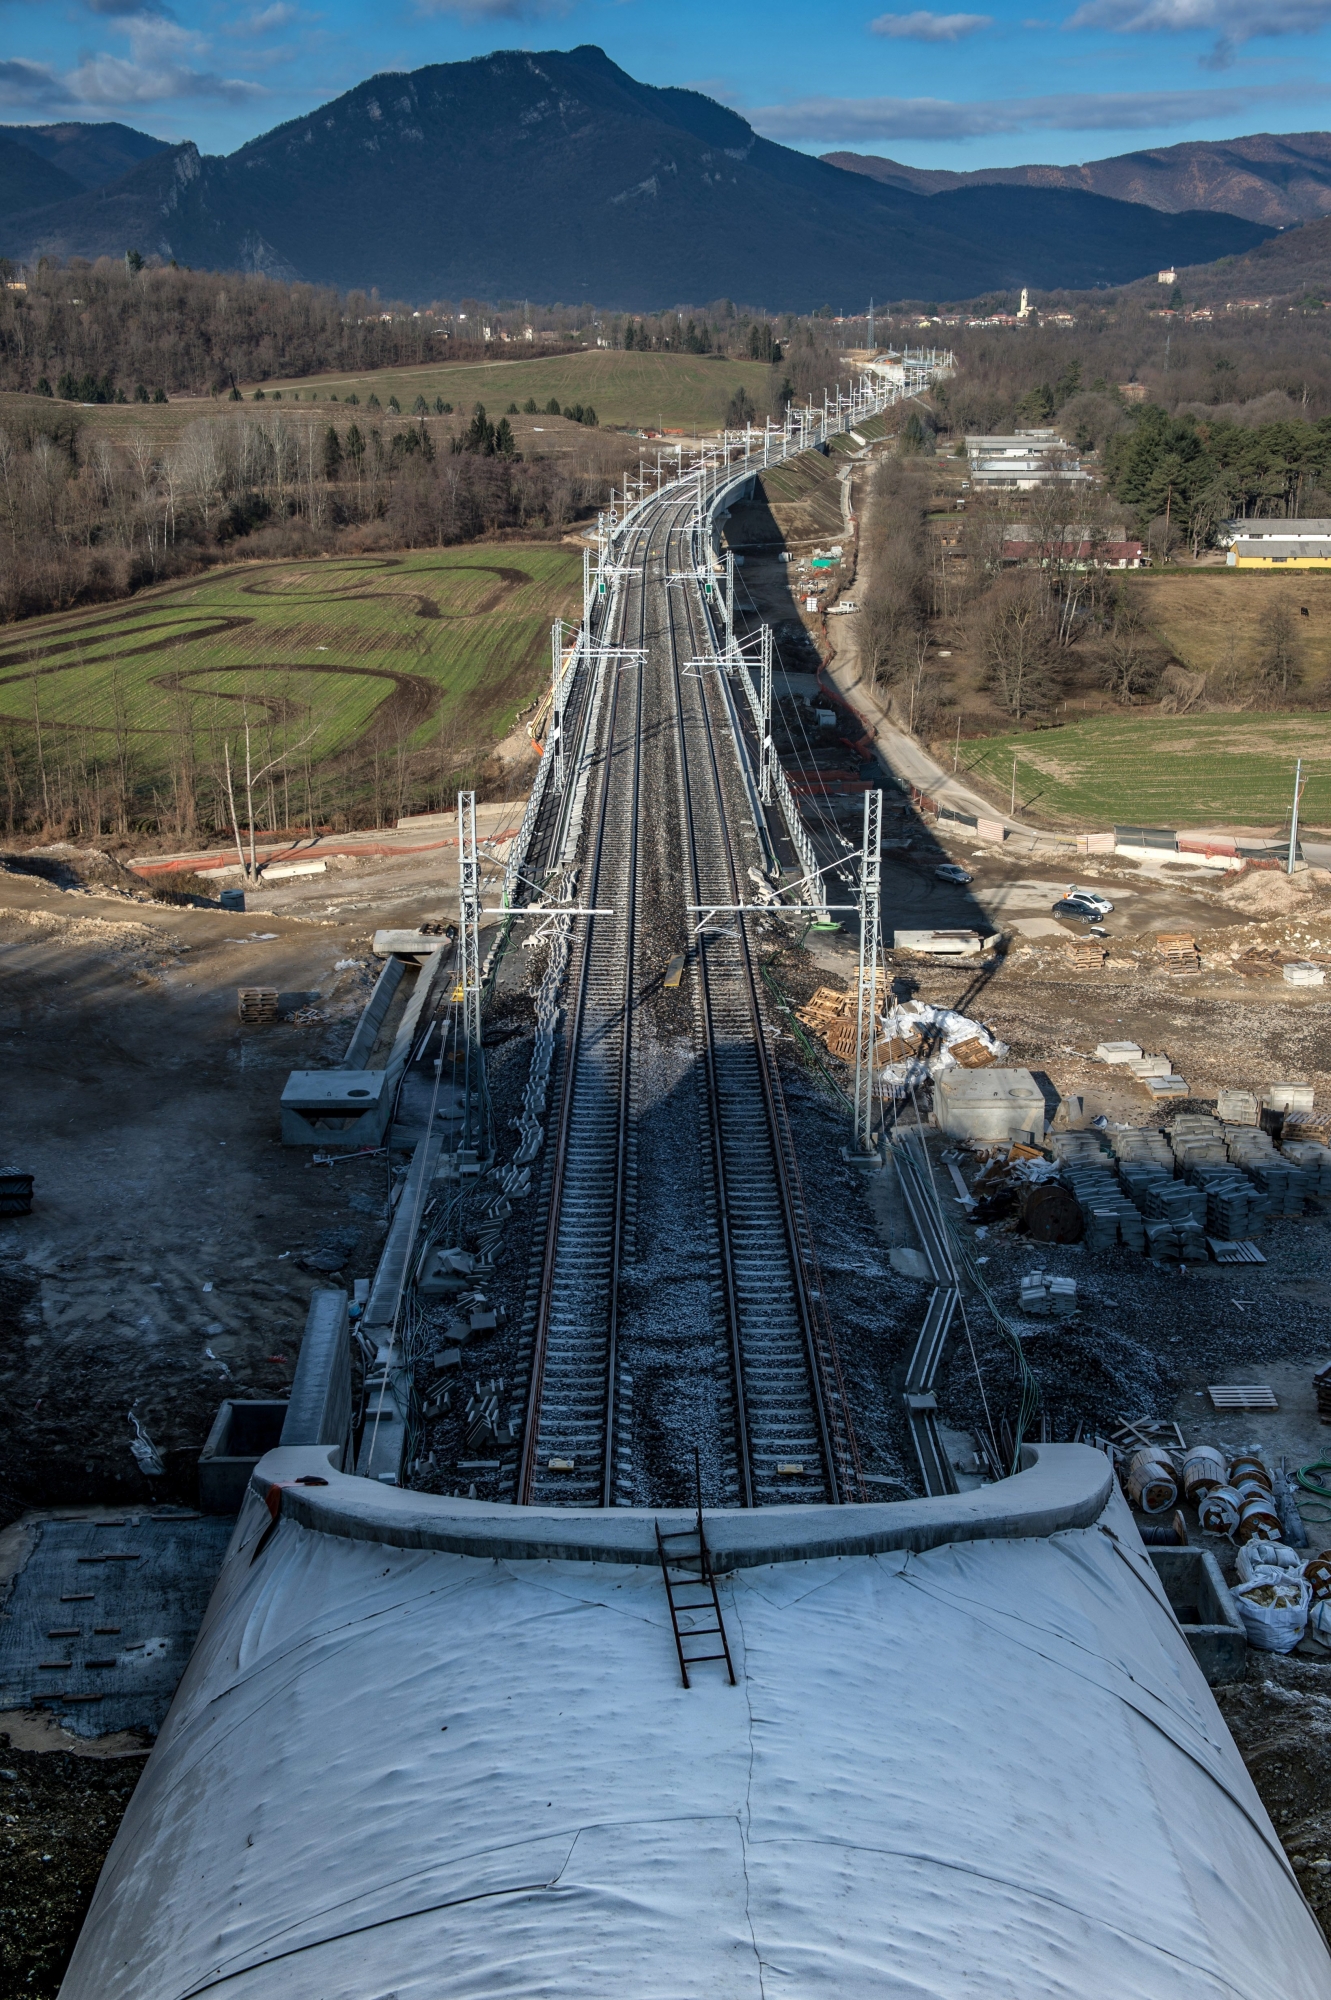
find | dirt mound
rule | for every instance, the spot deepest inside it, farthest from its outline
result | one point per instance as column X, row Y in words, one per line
column 1266, row 892
column 137, row 948
column 65, row 866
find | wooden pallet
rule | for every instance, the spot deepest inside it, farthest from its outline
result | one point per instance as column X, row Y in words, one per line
column 1234, row 1253
column 257, row 1005
column 1179, row 951
column 1242, row 1396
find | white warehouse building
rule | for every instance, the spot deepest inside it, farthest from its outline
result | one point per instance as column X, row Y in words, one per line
column 1027, row 459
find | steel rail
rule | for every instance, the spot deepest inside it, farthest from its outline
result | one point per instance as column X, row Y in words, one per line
column 744, row 1364
column 576, row 1042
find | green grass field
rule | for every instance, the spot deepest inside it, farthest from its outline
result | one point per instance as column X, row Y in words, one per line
column 673, row 391
column 1191, row 770
column 441, row 647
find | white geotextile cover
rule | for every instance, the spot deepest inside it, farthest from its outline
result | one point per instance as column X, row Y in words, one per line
column 944, row 1026
column 990, row 1772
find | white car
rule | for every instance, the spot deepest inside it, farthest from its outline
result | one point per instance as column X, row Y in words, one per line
column 950, row 872
column 1083, row 903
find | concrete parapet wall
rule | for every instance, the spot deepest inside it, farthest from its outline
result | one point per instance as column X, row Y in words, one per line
column 1063, row 1487
column 374, row 1015
column 319, row 1412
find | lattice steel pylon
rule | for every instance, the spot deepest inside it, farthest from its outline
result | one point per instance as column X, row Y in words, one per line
column 469, row 965
column 866, row 998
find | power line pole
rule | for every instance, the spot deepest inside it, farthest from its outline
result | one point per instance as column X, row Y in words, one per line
column 1294, row 818
column 866, row 1018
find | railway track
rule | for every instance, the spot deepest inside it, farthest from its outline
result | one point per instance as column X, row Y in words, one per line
column 667, row 787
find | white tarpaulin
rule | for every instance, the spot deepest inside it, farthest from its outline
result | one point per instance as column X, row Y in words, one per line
column 988, row 1772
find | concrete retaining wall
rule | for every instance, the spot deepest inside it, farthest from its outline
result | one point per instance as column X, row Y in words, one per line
column 1063, row 1486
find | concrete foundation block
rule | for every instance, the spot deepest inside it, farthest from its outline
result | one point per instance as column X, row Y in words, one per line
column 339, row 1108
column 995, row 1106
column 242, row 1432
column 1200, row 1600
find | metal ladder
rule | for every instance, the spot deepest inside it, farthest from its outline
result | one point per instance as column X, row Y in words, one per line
column 696, row 1563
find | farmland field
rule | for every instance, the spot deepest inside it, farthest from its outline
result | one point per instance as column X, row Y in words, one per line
column 674, row 391
column 436, row 648
column 1213, row 621
column 1154, row 770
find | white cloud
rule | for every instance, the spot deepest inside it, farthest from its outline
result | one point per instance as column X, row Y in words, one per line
column 30, row 84
column 923, row 26
column 495, row 10
column 1231, row 21
column 164, row 64
column 865, row 119
column 160, row 66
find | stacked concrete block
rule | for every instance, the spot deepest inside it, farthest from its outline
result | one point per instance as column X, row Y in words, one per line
column 1168, row 1243
column 1284, row 1181
column 1174, row 1201
column 1295, row 1097
column 1118, row 1052
column 1235, row 1209
column 1084, row 1148
column 1139, row 1175
column 1315, row 1161
column 1144, row 1142
column 1108, row 1216
column 1044, row 1296
column 1238, row 1107
column 1197, row 1140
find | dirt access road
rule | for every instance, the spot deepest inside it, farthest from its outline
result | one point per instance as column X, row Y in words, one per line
column 174, row 1243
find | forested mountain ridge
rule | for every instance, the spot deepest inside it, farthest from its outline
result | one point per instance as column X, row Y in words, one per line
column 556, row 176
column 1270, row 177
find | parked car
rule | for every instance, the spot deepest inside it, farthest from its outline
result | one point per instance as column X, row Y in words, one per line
column 1083, row 904
column 950, row 872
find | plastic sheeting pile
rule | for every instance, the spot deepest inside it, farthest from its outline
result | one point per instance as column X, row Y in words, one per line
column 938, row 1032
column 992, row 1768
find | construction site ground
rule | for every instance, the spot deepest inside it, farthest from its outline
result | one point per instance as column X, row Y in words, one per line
column 174, row 1243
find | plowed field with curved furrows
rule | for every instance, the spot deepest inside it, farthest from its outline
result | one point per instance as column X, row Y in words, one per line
column 402, row 649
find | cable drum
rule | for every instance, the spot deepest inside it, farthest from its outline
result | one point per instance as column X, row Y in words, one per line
column 1218, row 1512
column 1318, row 1575
column 1152, row 1482
column 1203, row 1471
column 1258, row 1518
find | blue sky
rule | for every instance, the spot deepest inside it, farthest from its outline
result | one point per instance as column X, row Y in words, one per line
column 927, row 85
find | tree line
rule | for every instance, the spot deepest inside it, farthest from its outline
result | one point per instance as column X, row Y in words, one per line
column 85, row 519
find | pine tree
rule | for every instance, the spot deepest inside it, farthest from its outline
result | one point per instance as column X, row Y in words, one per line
column 332, row 453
